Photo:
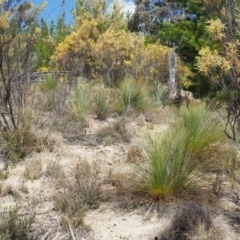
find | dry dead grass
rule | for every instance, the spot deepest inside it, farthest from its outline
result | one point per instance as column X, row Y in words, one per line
column 117, row 131
column 5, row 189
column 193, row 221
column 78, row 192
column 135, row 155
column 33, row 169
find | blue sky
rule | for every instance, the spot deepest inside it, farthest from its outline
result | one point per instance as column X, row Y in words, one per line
column 54, row 8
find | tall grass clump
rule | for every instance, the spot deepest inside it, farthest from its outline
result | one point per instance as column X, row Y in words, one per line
column 81, row 102
column 133, row 96
column 168, row 169
column 13, row 226
column 182, row 162
column 204, row 135
column 101, row 103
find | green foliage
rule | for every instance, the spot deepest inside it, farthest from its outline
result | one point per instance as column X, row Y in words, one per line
column 160, row 95
column 49, row 84
column 133, row 96
column 204, row 128
column 169, row 168
column 82, row 100
column 44, row 47
column 190, row 36
column 13, row 226
column 50, row 36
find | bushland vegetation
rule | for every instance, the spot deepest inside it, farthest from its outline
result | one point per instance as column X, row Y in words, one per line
column 112, row 70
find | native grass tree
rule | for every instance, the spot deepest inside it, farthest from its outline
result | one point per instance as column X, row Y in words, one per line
column 221, row 63
column 18, row 33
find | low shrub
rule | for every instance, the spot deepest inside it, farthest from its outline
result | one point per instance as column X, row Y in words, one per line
column 13, row 226
column 79, row 194
column 19, row 143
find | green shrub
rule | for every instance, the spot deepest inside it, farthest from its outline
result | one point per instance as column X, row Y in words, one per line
column 133, row 96
column 13, row 227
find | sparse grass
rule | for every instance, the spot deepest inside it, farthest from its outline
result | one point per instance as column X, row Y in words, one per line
column 33, row 169
column 49, row 88
column 5, row 189
column 13, row 226
column 23, row 188
column 54, row 170
column 135, row 155
column 133, row 96
column 81, row 102
column 101, row 107
column 116, row 132
column 79, row 194
column 3, row 174
column 19, row 143
column 50, row 83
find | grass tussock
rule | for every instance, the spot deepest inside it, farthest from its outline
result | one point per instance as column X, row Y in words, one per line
column 101, row 104
column 78, row 195
column 5, row 189
column 81, row 102
column 204, row 129
column 13, row 226
column 133, row 97
column 182, row 162
column 20, row 143
column 116, row 132
column 54, row 170
column 33, row 169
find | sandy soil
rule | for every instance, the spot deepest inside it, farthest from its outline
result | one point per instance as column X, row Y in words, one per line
column 106, row 222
